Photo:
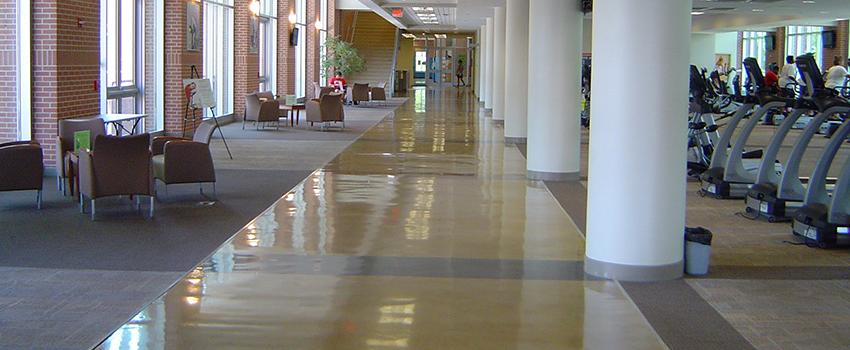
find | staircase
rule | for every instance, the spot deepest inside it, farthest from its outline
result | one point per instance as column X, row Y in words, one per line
column 374, row 39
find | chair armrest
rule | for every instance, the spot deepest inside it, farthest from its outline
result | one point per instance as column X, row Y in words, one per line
column 188, row 162
column 269, row 110
column 15, row 143
column 85, row 174
column 158, row 143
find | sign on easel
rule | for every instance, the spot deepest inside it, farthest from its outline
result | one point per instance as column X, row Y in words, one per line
column 199, row 93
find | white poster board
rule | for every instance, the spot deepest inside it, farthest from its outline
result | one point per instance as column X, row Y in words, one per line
column 199, row 93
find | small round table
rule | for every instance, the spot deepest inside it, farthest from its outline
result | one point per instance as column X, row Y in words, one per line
column 294, row 112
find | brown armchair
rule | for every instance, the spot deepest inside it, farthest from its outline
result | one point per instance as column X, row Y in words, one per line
column 179, row 161
column 65, row 161
column 379, row 93
column 259, row 111
column 360, row 93
column 117, row 166
column 325, row 110
column 23, row 167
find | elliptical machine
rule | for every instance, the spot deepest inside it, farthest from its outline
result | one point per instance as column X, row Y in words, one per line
column 777, row 196
column 728, row 177
column 824, row 221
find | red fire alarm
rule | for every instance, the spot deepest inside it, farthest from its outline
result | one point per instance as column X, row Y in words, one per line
column 397, row 13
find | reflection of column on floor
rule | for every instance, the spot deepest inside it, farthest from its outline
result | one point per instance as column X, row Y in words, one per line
column 499, row 64
column 635, row 222
column 554, row 132
column 516, row 80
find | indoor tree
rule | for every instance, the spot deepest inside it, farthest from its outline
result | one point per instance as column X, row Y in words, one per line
column 341, row 56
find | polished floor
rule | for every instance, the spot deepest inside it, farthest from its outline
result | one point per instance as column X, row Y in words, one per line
column 422, row 234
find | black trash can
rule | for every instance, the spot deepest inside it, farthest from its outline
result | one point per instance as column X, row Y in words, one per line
column 697, row 250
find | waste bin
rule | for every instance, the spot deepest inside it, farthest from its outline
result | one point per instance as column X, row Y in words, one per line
column 697, row 250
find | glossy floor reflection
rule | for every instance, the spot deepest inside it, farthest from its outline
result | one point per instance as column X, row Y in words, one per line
column 423, row 234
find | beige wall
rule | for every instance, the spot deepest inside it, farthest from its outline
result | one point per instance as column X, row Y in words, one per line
column 405, row 59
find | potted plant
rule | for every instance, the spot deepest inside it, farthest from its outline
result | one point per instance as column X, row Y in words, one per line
column 341, row 56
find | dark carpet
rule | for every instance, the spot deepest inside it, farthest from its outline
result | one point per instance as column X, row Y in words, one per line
column 302, row 132
column 183, row 232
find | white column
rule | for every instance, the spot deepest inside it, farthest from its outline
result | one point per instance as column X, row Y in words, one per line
column 516, row 80
column 554, row 90
column 482, row 73
column 488, row 99
column 499, row 64
column 636, row 190
column 477, row 88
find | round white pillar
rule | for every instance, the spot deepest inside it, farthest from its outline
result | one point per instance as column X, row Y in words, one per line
column 499, row 64
column 488, row 96
column 516, row 80
column 482, row 72
column 554, row 90
column 636, row 188
column 477, row 88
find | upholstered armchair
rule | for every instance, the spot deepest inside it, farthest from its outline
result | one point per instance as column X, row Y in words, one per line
column 117, row 166
column 179, row 160
column 324, row 90
column 261, row 111
column 23, row 167
column 325, row 110
column 378, row 92
column 360, row 93
column 65, row 160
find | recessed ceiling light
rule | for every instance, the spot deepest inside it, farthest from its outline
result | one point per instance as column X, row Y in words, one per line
column 697, row 13
column 758, row 10
column 808, row 1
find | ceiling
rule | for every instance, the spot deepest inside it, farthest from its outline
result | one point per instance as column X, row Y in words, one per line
column 715, row 15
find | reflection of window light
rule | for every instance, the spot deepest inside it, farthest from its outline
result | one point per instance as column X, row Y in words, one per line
column 192, row 300
column 395, row 320
column 401, row 309
column 395, row 343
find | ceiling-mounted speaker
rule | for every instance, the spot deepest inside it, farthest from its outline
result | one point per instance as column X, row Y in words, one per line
column 586, row 6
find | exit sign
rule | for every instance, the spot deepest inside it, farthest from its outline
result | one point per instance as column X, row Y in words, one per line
column 397, row 13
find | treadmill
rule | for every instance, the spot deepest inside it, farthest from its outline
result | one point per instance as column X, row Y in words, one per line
column 777, row 196
column 727, row 176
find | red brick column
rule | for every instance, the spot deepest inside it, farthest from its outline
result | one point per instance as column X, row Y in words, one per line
column 740, row 53
column 840, row 50
column 285, row 53
column 66, row 65
column 8, row 72
column 312, row 46
column 246, row 64
column 178, row 63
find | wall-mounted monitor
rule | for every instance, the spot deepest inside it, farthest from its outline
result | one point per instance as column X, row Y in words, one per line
column 770, row 42
column 293, row 37
column 828, row 38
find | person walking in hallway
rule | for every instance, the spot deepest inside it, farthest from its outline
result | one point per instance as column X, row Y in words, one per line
column 459, row 73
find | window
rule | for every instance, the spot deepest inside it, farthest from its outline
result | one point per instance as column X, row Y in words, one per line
column 268, row 46
column 301, row 49
column 218, row 53
column 24, row 72
column 323, row 36
column 123, row 56
column 801, row 40
column 755, row 45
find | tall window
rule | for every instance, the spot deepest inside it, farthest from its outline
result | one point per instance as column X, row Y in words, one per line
column 801, row 40
column 218, row 53
column 24, row 72
column 301, row 49
column 268, row 46
column 755, row 45
column 323, row 36
column 123, row 56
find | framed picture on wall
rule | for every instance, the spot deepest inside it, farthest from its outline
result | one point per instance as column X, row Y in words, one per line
column 254, row 35
column 193, row 26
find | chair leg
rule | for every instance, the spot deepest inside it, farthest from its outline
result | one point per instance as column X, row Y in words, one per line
column 152, row 207
column 58, row 182
column 243, row 123
column 38, row 199
column 92, row 209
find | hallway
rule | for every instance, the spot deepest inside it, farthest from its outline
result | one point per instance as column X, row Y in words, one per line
column 423, row 234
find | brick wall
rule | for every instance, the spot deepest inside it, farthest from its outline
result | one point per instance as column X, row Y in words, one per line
column 840, row 50
column 285, row 53
column 8, row 73
column 178, row 63
column 777, row 55
column 66, row 56
column 246, row 64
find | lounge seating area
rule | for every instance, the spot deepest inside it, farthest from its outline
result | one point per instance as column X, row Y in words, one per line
column 90, row 164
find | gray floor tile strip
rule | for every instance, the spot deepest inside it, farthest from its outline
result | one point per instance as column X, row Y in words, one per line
column 779, row 272
column 435, row 267
column 682, row 318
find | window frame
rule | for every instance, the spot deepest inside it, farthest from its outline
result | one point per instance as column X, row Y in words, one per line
column 113, row 94
column 23, row 74
column 223, row 86
column 755, row 41
column 301, row 49
column 323, row 37
column 800, row 36
column 268, row 23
